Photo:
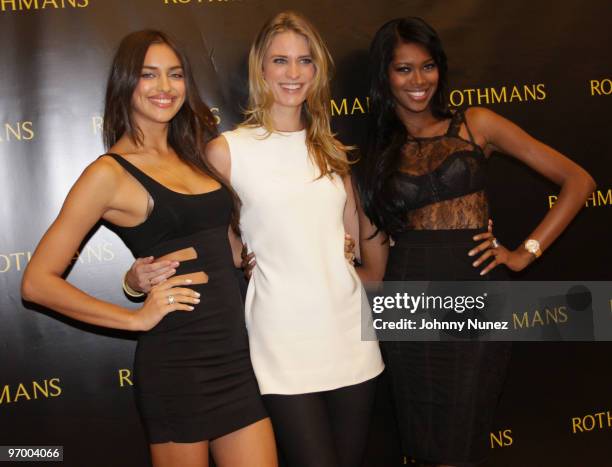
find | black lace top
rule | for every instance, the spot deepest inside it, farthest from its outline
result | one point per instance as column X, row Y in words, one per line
column 442, row 180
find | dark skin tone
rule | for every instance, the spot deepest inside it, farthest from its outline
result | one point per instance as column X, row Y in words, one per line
column 413, row 78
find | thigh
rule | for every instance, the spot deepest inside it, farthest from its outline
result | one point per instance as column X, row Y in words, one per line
column 350, row 410
column 302, row 429
column 251, row 446
column 183, row 454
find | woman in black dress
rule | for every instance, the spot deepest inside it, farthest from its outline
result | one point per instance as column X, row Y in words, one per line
column 195, row 386
column 422, row 183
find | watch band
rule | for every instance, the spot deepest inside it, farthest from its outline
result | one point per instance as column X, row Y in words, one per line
column 533, row 247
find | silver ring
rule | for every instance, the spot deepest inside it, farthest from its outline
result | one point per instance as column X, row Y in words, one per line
column 170, row 299
column 495, row 243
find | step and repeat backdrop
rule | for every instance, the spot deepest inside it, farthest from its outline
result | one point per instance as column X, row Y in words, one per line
column 545, row 65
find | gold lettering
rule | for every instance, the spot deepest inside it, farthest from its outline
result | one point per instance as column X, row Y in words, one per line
column 95, row 252
column 7, row 263
column 357, row 105
column 3, row 4
column 552, row 315
column 515, row 93
column 591, row 199
column 520, row 323
column 599, row 416
column 584, row 424
column 6, row 394
column 562, row 316
column 110, row 255
column 598, row 87
column 21, row 392
column 501, row 438
column 124, row 377
column 96, row 124
column 480, row 95
column 495, row 440
column 607, row 199
column 54, row 383
column 537, row 318
column 541, row 92
column 576, row 424
column 26, row 127
column 530, row 90
column 9, row 130
column 37, row 387
column 28, row 4
column 17, row 259
column 52, row 2
column 470, row 93
column 342, row 110
column 552, row 199
column 452, row 98
column 501, row 97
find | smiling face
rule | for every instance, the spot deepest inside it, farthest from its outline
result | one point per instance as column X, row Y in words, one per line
column 288, row 69
column 160, row 92
column 413, row 78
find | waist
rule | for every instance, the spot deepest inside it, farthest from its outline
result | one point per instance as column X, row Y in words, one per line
column 446, row 237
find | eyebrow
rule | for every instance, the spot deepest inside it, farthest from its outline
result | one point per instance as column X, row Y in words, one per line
column 157, row 68
column 287, row 56
column 397, row 62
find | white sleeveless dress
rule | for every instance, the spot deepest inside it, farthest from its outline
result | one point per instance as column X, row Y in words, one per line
column 304, row 299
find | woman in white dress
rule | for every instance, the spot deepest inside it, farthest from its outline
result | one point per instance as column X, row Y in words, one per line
column 303, row 304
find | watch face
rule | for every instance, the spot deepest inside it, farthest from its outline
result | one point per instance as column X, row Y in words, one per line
column 532, row 246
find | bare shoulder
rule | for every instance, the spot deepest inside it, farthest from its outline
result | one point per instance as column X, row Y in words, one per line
column 103, row 171
column 480, row 117
column 218, row 148
column 218, row 154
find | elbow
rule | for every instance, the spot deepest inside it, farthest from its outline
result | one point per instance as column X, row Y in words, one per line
column 28, row 288
column 590, row 181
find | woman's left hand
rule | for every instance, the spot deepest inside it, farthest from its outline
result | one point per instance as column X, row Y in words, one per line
column 349, row 249
column 248, row 261
column 516, row 260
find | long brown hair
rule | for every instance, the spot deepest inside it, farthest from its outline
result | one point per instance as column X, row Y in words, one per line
column 327, row 152
column 189, row 130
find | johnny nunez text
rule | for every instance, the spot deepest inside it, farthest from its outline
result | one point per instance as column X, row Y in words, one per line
column 431, row 325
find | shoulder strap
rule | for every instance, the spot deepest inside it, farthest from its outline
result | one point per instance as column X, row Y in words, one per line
column 472, row 140
column 455, row 124
column 147, row 182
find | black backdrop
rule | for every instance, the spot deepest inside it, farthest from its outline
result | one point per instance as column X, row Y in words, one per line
column 545, row 65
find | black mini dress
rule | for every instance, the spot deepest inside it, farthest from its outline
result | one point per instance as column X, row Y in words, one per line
column 193, row 375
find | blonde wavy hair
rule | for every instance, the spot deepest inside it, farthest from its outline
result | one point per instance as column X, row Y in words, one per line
column 326, row 151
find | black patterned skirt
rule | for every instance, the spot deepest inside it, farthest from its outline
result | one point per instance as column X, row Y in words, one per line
column 445, row 393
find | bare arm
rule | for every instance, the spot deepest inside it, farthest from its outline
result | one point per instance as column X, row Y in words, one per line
column 218, row 154
column 374, row 247
column 498, row 134
column 94, row 196
column 351, row 219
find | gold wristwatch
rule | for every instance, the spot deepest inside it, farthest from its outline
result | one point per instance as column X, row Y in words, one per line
column 533, row 247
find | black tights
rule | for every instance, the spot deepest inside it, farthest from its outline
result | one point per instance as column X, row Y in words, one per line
column 323, row 429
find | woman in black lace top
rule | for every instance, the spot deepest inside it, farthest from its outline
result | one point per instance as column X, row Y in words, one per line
column 421, row 182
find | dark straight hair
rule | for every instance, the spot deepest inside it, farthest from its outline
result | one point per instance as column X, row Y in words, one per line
column 189, row 130
column 386, row 133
